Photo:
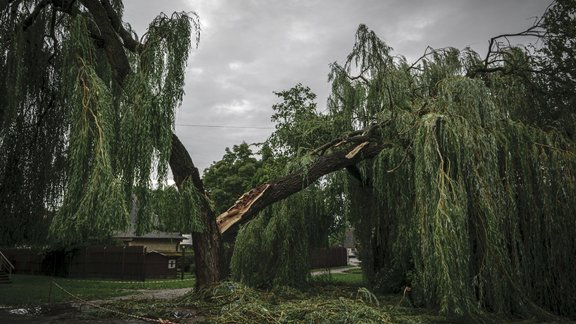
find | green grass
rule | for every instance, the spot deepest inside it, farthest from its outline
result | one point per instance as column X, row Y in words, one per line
column 352, row 277
column 234, row 303
column 34, row 290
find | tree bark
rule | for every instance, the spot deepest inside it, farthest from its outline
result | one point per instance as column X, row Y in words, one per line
column 113, row 46
column 208, row 253
column 268, row 193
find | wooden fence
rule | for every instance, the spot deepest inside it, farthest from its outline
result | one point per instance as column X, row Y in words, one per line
column 110, row 262
column 127, row 263
column 328, row 257
column 25, row 261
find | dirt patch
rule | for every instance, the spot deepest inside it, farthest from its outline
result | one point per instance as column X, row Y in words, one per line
column 53, row 313
column 76, row 312
column 147, row 294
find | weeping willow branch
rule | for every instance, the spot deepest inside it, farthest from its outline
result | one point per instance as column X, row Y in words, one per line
column 494, row 47
column 359, row 136
column 269, row 193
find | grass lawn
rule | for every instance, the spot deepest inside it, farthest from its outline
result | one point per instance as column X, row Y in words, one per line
column 352, row 277
column 33, row 290
column 331, row 298
column 326, row 301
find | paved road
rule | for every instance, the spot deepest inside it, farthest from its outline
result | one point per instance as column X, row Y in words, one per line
column 334, row 270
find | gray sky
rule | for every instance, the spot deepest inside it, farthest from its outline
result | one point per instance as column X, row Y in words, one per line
column 250, row 48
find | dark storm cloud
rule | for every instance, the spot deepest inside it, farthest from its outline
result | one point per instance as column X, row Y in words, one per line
column 249, row 49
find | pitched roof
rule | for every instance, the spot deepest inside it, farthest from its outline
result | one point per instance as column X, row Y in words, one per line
column 151, row 235
column 130, row 233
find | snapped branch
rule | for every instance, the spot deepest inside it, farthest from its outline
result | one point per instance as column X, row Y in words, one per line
column 363, row 135
column 268, row 193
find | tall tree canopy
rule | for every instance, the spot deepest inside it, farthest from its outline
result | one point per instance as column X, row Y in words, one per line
column 229, row 178
column 86, row 123
column 461, row 175
column 87, row 114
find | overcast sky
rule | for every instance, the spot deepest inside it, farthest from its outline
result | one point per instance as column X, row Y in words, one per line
column 250, row 48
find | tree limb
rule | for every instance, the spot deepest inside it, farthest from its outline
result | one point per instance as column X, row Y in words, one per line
column 210, row 263
column 362, row 135
column 113, row 46
column 30, row 19
column 268, row 193
column 182, row 165
column 129, row 42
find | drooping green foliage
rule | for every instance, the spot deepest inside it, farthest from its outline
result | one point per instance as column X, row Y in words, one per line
column 177, row 210
column 274, row 248
column 83, row 131
column 229, row 178
column 467, row 207
column 31, row 141
column 151, row 95
column 231, row 302
column 473, row 203
column 92, row 189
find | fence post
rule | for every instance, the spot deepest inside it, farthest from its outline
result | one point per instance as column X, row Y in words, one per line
column 144, row 264
column 123, row 259
column 182, row 262
column 50, row 292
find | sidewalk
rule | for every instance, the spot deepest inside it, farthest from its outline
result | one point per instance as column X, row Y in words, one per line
column 333, row 270
column 353, row 263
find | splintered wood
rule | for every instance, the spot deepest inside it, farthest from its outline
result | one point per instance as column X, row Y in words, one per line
column 356, row 150
column 240, row 207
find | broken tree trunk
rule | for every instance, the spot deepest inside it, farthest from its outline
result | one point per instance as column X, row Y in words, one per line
column 207, row 244
column 268, row 193
column 211, row 265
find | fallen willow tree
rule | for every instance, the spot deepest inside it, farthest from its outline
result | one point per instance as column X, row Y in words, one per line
column 472, row 208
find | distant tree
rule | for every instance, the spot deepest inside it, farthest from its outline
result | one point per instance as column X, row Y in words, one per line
column 229, row 178
column 297, row 122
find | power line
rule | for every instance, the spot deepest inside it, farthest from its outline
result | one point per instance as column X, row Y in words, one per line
column 225, row 126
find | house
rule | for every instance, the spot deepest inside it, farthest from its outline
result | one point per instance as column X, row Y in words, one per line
column 163, row 252
column 158, row 241
column 153, row 241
